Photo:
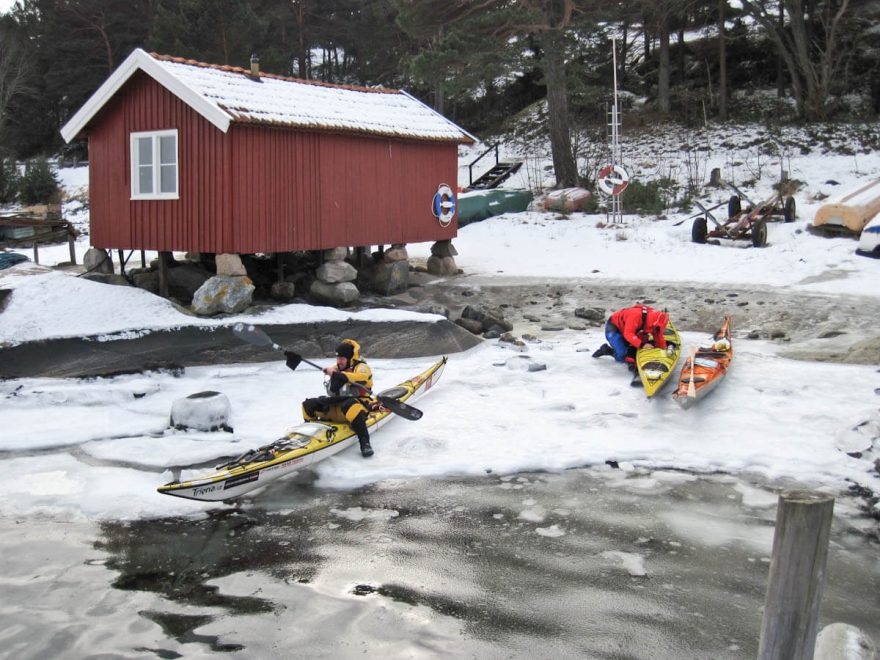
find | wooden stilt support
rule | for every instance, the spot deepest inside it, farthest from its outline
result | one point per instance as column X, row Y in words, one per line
column 36, row 254
column 121, row 262
column 70, row 246
column 143, row 259
column 360, row 253
column 163, row 274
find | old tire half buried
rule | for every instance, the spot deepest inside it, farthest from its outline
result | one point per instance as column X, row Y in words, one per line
column 759, row 234
column 699, row 230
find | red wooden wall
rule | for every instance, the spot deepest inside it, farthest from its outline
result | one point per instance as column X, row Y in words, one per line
column 259, row 189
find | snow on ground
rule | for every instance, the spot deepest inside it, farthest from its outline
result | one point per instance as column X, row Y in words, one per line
column 98, row 448
column 71, row 307
column 537, row 244
column 106, row 445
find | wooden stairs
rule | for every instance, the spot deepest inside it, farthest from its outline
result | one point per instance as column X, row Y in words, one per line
column 499, row 173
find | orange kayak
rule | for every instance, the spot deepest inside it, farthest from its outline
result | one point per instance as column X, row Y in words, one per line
column 705, row 368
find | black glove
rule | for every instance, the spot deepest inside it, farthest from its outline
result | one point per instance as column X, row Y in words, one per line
column 293, row 359
column 337, row 381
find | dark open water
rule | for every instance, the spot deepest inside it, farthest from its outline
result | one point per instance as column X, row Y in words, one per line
column 531, row 566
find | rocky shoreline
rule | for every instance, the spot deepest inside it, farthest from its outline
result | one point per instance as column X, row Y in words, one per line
column 816, row 327
column 813, row 327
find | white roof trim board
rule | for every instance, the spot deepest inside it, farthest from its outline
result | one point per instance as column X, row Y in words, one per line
column 141, row 60
column 223, row 95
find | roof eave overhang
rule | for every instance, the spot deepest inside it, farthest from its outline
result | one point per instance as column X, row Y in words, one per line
column 141, row 60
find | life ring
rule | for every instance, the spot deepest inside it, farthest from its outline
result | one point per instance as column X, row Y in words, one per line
column 443, row 205
column 613, row 179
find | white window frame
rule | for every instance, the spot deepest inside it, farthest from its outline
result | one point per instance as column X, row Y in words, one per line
column 155, row 165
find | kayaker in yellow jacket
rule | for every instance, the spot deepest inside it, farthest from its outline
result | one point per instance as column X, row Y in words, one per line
column 349, row 394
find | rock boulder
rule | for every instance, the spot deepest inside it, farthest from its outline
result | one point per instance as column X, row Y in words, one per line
column 223, row 294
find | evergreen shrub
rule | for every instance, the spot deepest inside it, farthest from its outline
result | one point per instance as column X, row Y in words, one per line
column 38, row 184
column 645, row 197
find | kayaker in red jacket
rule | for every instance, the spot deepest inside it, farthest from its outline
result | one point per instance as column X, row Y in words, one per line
column 631, row 328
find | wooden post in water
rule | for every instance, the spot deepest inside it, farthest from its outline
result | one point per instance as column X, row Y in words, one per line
column 797, row 576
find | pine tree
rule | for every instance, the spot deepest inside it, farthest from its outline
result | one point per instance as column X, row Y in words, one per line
column 470, row 42
column 215, row 31
column 74, row 45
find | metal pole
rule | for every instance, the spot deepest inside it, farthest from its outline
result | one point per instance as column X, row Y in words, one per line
column 614, row 153
column 616, row 212
column 797, row 576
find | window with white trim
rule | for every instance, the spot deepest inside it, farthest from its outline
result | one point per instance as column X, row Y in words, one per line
column 154, row 165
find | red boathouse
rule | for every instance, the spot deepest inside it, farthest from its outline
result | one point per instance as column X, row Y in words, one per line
column 187, row 156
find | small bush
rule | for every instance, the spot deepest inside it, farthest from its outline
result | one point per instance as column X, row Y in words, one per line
column 644, row 197
column 38, row 184
column 8, row 181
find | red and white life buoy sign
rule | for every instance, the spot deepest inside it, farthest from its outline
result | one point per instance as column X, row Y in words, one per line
column 443, row 204
column 612, row 179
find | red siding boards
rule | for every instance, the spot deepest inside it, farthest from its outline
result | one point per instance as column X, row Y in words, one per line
column 259, row 189
column 300, row 191
column 195, row 221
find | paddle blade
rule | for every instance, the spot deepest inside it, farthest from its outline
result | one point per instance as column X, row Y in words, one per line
column 252, row 334
column 293, row 359
column 399, row 408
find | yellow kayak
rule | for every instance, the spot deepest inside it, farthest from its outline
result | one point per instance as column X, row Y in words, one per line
column 655, row 365
column 301, row 446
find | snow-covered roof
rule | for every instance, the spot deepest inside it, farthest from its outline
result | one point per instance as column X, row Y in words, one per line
column 225, row 94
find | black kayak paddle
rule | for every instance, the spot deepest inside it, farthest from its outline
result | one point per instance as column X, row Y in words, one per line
column 253, row 335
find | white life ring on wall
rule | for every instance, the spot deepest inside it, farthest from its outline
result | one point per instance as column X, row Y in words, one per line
column 612, row 179
column 443, row 205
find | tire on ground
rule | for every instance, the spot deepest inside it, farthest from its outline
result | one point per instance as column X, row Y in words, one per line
column 734, row 206
column 699, row 230
column 759, row 233
column 789, row 210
